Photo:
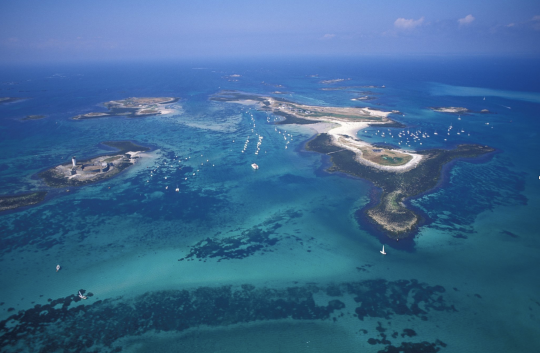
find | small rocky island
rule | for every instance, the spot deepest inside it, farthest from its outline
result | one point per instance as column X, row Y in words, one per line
column 364, row 98
column 132, row 108
column 400, row 174
column 33, row 117
column 453, row 110
column 457, row 110
column 21, row 200
column 10, row 99
column 92, row 170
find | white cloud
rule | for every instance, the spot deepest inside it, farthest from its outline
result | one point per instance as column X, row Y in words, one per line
column 328, row 36
column 403, row 23
column 466, row 20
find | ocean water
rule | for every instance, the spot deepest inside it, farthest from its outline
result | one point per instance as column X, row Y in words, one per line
column 273, row 260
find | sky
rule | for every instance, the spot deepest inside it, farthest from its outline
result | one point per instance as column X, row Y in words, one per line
column 59, row 30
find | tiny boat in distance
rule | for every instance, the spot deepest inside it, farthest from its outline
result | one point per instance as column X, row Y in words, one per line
column 254, row 166
column 82, row 296
column 382, row 251
column 57, row 268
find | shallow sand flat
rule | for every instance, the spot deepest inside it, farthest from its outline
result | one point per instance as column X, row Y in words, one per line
column 165, row 111
column 351, row 129
column 319, row 128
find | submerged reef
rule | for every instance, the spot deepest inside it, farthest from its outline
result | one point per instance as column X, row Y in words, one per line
column 64, row 325
column 21, row 200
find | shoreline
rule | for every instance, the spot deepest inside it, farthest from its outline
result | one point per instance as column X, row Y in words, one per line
column 391, row 214
column 335, row 121
column 98, row 168
column 133, row 108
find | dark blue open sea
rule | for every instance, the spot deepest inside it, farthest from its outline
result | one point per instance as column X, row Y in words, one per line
column 273, row 260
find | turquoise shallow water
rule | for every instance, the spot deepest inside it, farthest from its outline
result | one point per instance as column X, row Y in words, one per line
column 275, row 259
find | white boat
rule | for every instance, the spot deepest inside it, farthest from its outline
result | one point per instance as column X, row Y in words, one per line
column 82, row 296
column 57, row 268
column 382, row 251
column 178, row 189
column 254, row 166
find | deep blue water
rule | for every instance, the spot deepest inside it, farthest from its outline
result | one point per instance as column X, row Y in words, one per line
column 272, row 260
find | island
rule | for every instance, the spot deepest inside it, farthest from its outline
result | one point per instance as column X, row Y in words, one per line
column 454, row 110
column 10, row 99
column 92, row 170
column 389, row 212
column 344, row 88
column 232, row 78
column 21, row 200
column 364, row 98
column 34, row 117
column 399, row 174
column 327, row 82
column 458, row 110
column 132, row 108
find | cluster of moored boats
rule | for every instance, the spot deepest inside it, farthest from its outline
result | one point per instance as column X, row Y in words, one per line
column 408, row 137
column 285, row 136
column 172, row 165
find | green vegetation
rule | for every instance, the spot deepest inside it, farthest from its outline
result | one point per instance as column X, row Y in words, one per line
column 390, row 214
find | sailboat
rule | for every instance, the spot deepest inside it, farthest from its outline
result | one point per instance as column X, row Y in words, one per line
column 382, row 251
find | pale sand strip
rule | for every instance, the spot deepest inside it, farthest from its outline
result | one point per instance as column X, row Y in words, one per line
column 347, row 131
